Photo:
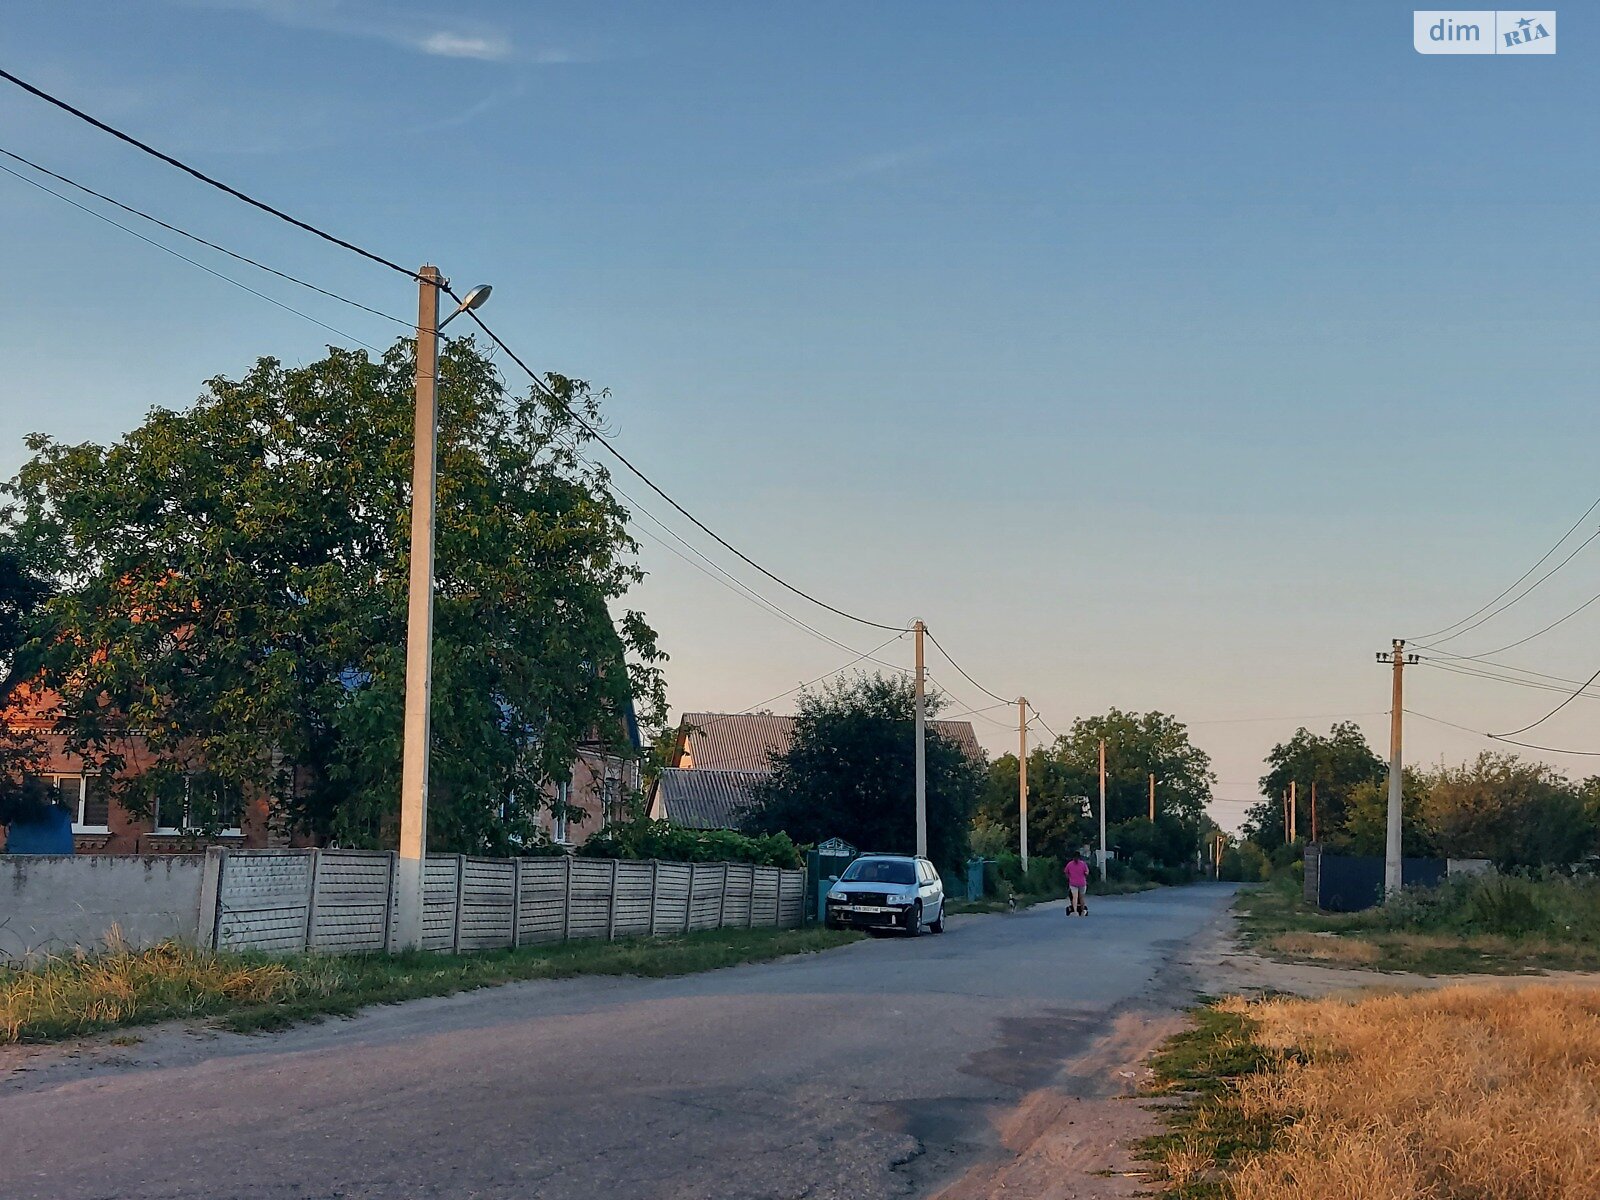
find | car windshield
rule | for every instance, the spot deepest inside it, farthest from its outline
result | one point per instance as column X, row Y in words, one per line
column 880, row 870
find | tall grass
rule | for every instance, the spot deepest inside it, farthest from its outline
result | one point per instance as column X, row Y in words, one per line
column 1466, row 1093
column 71, row 996
column 1512, row 905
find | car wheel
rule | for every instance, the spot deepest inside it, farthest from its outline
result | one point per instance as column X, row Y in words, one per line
column 914, row 920
column 938, row 925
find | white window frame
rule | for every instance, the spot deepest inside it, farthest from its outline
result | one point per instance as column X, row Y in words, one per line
column 55, row 778
column 187, row 827
column 560, row 826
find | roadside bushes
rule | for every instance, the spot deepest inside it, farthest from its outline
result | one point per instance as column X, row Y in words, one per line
column 1512, row 905
column 1042, row 878
column 644, row 838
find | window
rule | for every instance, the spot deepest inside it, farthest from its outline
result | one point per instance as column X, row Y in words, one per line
column 88, row 799
column 177, row 814
column 559, row 833
column 880, row 870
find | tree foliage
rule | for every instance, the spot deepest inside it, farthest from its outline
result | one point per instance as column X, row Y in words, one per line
column 850, row 772
column 232, row 584
column 1337, row 765
column 1064, row 783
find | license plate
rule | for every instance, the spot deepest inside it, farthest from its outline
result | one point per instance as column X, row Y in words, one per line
column 868, row 908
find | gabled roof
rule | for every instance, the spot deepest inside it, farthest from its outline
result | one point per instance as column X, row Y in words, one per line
column 747, row 741
column 704, row 799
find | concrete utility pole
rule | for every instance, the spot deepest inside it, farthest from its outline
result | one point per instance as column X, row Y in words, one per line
column 1294, row 811
column 1313, row 810
column 1393, row 878
column 922, row 749
column 419, row 623
column 1022, row 773
column 1102, row 810
column 1152, row 798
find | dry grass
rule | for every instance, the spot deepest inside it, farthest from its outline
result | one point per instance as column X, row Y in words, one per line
column 1467, row 1093
column 72, row 995
column 1325, row 947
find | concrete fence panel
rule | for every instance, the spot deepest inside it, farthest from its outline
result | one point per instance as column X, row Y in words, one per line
column 343, row 901
column 62, row 903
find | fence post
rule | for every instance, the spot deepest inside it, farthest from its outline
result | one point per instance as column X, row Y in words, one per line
column 388, row 904
column 611, row 909
column 566, row 899
column 210, row 915
column 655, row 883
column 516, row 903
column 461, row 884
column 311, row 898
column 688, row 905
column 722, row 905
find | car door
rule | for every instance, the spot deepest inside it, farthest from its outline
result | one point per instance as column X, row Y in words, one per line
column 928, row 889
column 936, row 887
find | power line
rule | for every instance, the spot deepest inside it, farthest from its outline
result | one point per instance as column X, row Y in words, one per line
column 962, row 670
column 1495, row 737
column 1518, row 582
column 202, row 176
column 1310, row 717
column 809, row 683
column 656, row 488
column 1554, row 710
column 1482, row 661
column 1535, row 685
column 194, row 237
column 289, row 308
column 1520, row 595
column 1523, row 641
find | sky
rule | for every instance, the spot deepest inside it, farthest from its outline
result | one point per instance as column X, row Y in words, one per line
column 1156, row 355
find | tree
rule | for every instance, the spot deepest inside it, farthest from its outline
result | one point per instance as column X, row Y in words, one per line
column 1059, row 818
column 1337, row 764
column 232, row 583
column 850, row 772
column 1063, row 787
column 22, row 593
column 1366, row 822
column 1518, row 813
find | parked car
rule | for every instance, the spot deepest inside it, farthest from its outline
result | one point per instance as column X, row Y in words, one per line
column 887, row 891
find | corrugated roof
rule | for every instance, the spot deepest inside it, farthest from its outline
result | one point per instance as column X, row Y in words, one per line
column 747, row 741
column 705, row 799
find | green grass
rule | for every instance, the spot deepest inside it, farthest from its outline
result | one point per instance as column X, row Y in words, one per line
column 1205, row 1135
column 1498, row 925
column 69, row 997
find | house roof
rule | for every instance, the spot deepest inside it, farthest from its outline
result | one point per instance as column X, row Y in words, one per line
column 747, row 741
column 705, row 799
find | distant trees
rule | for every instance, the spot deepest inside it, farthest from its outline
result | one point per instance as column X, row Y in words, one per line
column 849, row 772
column 1063, row 789
column 1501, row 807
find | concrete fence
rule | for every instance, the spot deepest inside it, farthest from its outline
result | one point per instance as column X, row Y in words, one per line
column 61, row 903
column 340, row 901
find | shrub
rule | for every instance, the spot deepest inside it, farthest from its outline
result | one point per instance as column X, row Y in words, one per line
column 661, row 839
column 1509, row 905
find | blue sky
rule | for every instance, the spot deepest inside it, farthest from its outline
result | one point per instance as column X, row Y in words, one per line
column 1157, row 355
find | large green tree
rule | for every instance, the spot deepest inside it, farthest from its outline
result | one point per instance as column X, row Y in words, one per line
column 1063, row 788
column 232, row 584
column 1499, row 806
column 22, row 593
column 850, row 773
column 1336, row 765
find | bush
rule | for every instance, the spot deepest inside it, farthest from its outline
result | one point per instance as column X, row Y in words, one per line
column 1042, row 878
column 1245, row 863
column 661, row 839
column 1510, row 905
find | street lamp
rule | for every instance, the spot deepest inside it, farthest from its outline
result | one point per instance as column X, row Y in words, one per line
column 419, row 610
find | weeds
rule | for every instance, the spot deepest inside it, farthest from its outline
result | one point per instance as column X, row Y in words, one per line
column 71, row 996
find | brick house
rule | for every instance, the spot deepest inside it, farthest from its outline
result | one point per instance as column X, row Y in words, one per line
column 601, row 782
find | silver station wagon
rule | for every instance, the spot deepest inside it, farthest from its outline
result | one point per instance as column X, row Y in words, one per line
column 887, row 891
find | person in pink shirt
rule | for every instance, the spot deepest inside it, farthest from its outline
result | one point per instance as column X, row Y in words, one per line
column 1077, row 873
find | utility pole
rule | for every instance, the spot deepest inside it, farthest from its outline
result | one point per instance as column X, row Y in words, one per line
column 1392, row 875
column 1294, row 811
column 1102, row 810
column 1313, row 810
column 419, row 622
column 922, row 749
column 1022, row 772
column 1283, row 803
column 1152, row 798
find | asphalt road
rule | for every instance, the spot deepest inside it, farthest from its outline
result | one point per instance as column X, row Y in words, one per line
column 875, row 1070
